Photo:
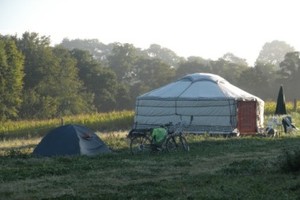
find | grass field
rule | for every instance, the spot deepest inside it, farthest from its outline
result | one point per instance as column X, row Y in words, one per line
column 215, row 168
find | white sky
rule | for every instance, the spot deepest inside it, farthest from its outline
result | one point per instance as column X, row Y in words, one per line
column 205, row 28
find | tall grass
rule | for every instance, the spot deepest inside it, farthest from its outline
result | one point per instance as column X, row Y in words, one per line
column 270, row 107
column 20, row 137
column 112, row 121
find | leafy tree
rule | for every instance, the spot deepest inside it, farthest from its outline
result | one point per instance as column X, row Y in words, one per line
column 230, row 57
column 122, row 61
column 99, row 50
column 11, row 77
column 152, row 73
column 290, row 65
column 36, row 106
column 229, row 70
column 290, row 73
column 52, row 87
column 64, row 85
column 39, row 60
column 267, row 69
column 38, row 57
column 254, row 81
column 274, row 52
column 193, row 65
column 124, row 99
column 98, row 80
column 166, row 55
column 149, row 74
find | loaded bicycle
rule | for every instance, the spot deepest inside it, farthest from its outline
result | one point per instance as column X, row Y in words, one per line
column 167, row 137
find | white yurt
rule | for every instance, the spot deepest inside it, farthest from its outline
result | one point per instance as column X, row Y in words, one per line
column 214, row 105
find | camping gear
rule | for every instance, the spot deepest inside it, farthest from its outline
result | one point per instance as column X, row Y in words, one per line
column 218, row 107
column 273, row 127
column 280, row 105
column 169, row 137
column 288, row 125
column 70, row 140
column 159, row 135
column 280, row 112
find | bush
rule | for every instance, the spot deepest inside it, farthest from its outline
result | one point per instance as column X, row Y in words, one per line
column 290, row 161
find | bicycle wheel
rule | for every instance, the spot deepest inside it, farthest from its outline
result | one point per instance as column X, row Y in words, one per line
column 177, row 143
column 140, row 144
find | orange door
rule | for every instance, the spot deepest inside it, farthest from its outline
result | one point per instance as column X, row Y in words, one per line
column 247, row 117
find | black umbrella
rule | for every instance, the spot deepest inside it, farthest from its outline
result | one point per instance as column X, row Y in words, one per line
column 280, row 106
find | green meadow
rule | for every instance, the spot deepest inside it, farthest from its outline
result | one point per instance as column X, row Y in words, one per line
column 252, row 167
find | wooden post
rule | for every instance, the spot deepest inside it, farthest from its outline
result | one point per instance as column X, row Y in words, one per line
column 295, row 105
column 62, row 121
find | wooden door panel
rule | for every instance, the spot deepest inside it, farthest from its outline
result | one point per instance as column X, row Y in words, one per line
column 247, row 117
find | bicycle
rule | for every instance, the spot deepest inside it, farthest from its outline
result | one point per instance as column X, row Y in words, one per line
column 142, row 140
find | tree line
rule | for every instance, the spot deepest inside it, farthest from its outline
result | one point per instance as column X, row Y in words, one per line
column 79, row 76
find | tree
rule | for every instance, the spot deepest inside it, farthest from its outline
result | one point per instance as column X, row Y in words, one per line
column 166, row 55
column 39, row 60
column 228, row 69
column 11, row 78
column 98, row 80
column 38, row 57
column 290, row 65
column 51, row 84
column 255, row 81
column 124, row 99
column 193, row 65
column 99, row 50
column 290, row 73
column 64, row 85
column 122, row 60
column 152, row 73
column 230, row 57
column 274, row 52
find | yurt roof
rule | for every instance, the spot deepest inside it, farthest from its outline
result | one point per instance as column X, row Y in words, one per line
column 198, row 86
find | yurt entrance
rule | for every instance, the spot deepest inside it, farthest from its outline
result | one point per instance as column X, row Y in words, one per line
column 247, row 117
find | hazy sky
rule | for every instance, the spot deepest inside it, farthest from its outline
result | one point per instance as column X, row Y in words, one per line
column 205, row 28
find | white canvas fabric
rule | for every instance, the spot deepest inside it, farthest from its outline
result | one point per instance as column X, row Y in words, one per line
column 210, row 99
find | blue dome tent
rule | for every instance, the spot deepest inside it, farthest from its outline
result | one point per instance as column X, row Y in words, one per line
column 70, row 140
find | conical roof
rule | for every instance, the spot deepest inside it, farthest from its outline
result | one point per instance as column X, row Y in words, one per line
column 200, row 85
column 280, row 105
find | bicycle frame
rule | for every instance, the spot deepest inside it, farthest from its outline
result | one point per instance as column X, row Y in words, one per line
column 142, row 141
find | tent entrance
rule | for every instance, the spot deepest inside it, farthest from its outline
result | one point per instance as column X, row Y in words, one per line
column 247, row 117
